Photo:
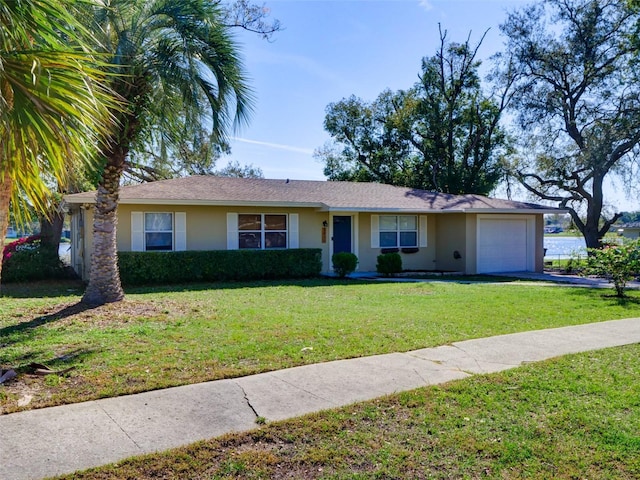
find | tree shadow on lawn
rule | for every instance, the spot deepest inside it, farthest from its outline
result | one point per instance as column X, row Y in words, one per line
column 22, row 327
column 203, row 286
column 42, row 289
column 322, row 281
column 25, row 363
column 64, row 288
column 631, row 300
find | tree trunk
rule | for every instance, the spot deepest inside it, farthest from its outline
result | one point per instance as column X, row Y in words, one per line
column 591, row 236
column 6, row 185
column 104, row 277
column 591, row 232
column 588, row 228
column 51, row 230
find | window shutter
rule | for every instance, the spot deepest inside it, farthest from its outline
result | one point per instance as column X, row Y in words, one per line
column 137, row 231
column 294, row 240
column 423, row 231
column 232, row 231
column 180, row 231
column 375, row 231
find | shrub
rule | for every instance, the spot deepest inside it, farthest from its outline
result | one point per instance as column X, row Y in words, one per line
column 617, row 263
column 26, row 259
column 22, row 244
column 344, row 263
column 138, row 268
column 389, row 264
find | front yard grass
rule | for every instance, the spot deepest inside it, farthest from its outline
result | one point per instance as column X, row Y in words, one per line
column 573, row 417
column 161, row 337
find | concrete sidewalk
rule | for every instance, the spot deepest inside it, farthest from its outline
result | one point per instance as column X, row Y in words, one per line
column 57, row 440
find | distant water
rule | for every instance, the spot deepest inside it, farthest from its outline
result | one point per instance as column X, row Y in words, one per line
column 564, row 247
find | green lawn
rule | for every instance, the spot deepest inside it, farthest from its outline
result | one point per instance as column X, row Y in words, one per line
column 569, row 418
column 162, row 337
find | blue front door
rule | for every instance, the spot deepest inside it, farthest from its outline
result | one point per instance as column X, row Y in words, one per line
column 341, row 234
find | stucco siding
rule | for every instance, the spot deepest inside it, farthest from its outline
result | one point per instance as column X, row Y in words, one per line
column 207, row 226
column 206, row 229
column 471, row 250
column 205, row 218
column 311, row 233
column 451, row 235
column 367, row 256
column 448, row 235
column 424, row 259
column 539, row 259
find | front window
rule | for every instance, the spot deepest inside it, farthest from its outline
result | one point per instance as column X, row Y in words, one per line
column 158, row 231
column 398, row 231
column 262, row 231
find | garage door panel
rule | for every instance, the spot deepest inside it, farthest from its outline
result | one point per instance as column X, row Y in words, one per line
column 503, row 245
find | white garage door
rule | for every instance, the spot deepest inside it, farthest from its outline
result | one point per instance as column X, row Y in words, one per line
column 504, row 245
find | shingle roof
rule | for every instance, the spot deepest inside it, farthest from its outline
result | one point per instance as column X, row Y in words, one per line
column 210, row 190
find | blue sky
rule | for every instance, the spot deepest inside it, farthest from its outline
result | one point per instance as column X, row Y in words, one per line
column 331, row 49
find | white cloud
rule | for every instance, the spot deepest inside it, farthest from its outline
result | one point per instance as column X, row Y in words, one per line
column 426, row 4
column 288, row 148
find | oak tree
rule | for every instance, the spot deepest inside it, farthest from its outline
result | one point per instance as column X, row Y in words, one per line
column 443, row 134
column 577, row 99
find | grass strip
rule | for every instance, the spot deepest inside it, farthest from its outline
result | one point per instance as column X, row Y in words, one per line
column 162, row 337
column 566, row 418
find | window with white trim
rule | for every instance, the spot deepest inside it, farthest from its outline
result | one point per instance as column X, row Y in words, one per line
column 158, row 231
column 262, row 231
column 398, row 231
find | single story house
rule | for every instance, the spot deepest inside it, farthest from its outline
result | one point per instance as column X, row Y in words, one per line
column 629, row 230
column 431, row 231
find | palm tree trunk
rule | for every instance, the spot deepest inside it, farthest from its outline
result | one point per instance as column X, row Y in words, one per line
column 104, row 277
column 5, row 201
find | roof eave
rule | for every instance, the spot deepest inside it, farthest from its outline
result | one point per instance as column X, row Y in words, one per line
column 528, row 211
column 78, row 200
column 208, row 203
column 378, row 210
column 320, row 206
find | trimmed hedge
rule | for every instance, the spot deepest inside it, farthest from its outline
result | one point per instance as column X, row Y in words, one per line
column 138, row 268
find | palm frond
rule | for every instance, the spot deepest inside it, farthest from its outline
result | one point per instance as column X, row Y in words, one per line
column 55, row 106
column 181, row 53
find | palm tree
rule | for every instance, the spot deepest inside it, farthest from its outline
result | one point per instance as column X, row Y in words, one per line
column 52, row 104
column 164, row 52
